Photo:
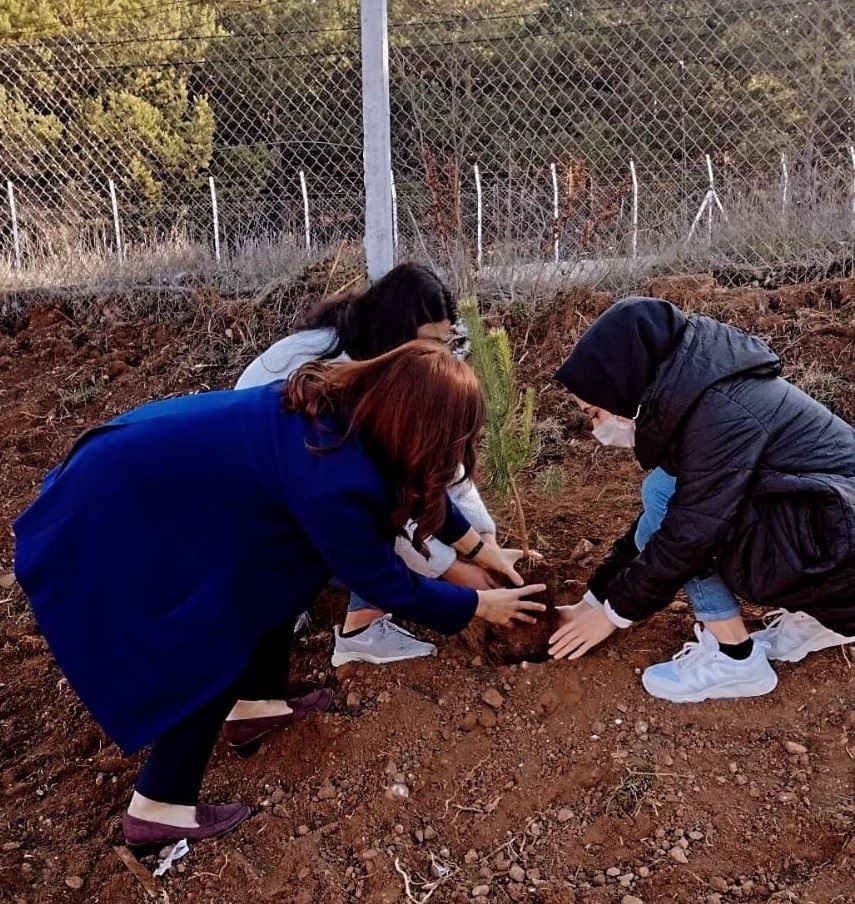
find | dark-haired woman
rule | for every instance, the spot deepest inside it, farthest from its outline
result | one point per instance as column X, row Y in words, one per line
column 751, row 494
column 168, row 556
column 409, row 302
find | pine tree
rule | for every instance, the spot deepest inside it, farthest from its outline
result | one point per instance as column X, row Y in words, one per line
column 509, row 444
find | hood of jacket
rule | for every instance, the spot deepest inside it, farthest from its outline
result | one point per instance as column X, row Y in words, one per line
column 708, row 352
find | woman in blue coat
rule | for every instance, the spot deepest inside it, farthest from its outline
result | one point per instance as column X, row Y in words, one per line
column 168, row 556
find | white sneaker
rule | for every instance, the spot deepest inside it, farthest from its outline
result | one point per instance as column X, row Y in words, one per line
column 700, row 671
column 790, row 636
column 382, row 641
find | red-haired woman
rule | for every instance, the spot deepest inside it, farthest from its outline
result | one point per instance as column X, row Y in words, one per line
column 409, row 302
column 168, row 556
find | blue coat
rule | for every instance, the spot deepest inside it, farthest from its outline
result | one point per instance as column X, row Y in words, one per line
column 173, row 536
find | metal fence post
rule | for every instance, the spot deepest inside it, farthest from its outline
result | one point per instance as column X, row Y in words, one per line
column 13, row 213
column 377, row 152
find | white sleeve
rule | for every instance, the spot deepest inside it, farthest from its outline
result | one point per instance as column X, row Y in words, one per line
column 468, row 500
column 286, row 355
column 442, row 557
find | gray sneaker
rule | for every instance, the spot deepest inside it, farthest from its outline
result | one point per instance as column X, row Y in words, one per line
column 382, row 641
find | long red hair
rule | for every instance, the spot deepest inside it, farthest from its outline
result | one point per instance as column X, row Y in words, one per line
column 417, row 409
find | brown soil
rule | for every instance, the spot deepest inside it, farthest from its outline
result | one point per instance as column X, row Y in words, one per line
column 553, row 783
column 522, row 642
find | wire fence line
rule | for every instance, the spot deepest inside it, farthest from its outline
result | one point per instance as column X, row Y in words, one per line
column 686, row 133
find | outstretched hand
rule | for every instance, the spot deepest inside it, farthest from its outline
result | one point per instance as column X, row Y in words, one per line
column 501, row 607
column 584, row 626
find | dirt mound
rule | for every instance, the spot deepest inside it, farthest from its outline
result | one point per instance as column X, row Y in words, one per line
column 555, row 783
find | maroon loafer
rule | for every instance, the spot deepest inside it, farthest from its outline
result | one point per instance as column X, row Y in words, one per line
column 241, row 732
column 144, row 836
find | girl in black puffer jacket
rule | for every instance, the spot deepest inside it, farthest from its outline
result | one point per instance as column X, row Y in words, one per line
column 751, row 494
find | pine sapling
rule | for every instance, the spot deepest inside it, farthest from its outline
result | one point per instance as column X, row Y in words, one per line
column 509, row 444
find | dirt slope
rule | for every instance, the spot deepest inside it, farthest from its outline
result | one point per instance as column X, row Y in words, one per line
column 571, row 785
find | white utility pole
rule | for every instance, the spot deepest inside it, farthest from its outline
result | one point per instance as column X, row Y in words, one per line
column 376, row 146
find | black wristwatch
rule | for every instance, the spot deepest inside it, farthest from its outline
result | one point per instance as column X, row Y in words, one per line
column 474, row 551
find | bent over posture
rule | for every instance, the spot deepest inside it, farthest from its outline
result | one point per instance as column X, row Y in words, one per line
column 168, row 556
column 751, row 493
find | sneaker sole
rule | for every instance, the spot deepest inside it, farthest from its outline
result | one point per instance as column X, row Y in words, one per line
column 757, row 688
column 342, row 658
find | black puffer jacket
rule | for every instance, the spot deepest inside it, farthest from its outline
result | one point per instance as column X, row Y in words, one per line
column 765, row 493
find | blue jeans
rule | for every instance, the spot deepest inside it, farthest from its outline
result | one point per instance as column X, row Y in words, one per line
column 710, row 598
column 355, row 603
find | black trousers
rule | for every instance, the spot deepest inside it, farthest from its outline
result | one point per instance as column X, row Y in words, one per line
column 176, row 764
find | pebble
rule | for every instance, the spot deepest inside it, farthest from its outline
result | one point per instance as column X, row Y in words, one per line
column 631, row 899
column 354, row 698
column 695, row 835
column 493, row 698
column 641, row 727
column 598, row 727
column 643, row 872
column 429, row 833
column 564, row 815
column 717, row 883
column 7, row 580
column 11, row 845
column 277, row 796
column 678, row 854
column 471, row 856
column 74, row 882
column 303, row 830
column 304, row 873
column 487, row 718
column 583, row 548
column 328, row 792
column 517, row 873
column 398, row 792
column 795, row 748
column 470, row 721
column 850, row 718
column 480, row 891
column 613, row 871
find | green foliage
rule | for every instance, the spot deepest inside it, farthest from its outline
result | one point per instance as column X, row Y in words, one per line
column 509, row 444
column 92, row 90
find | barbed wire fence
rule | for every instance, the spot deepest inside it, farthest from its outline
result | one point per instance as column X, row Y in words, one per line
column 614, row 133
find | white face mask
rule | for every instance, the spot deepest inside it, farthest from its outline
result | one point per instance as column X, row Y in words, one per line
column 616, row 432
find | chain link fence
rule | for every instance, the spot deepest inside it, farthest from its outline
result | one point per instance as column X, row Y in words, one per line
column 683, row 134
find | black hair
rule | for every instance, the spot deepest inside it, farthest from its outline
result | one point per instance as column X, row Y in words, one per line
column 385, row 314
